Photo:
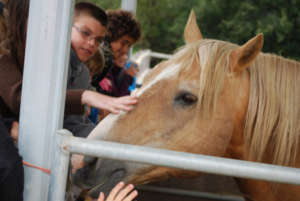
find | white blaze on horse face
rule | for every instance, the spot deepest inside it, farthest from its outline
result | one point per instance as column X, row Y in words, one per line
column 101, row 131
column 167, row 73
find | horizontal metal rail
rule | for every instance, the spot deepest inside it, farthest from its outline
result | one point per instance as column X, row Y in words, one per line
column 182, row 160
column 160, row 55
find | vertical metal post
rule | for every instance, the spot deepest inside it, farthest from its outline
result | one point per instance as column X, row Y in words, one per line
column 43, row 91
column 59, row 171
column 129, row 5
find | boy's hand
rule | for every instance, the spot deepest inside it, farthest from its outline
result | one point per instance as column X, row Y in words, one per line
column 112, row 104
column 120, row 193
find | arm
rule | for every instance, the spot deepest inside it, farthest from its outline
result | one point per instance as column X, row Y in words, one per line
column 112, row 104
column 10, row 84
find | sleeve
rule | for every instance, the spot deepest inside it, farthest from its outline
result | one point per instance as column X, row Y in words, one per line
column 121, row 82
column 11, row 89
column 73, row 102
column 10, row 84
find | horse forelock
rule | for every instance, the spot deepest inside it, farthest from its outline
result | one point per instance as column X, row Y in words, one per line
column 166, row 73
column 210, row 57
column 272, row 124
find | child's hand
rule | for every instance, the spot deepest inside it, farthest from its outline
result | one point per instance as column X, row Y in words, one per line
column 121, row 61
column 120, row 193
column 14, row 131
column 131, row 68
column 112, row 104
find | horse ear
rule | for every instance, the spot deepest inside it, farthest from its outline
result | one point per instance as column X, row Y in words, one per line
column 192, row 32
column 243, row 56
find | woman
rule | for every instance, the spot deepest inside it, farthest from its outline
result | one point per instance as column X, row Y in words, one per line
column 11, row 70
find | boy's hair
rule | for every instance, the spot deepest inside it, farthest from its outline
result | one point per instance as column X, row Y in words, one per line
column 92, row 10
column 121, row 23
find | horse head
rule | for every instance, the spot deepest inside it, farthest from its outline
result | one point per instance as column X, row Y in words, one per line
column 193, row 102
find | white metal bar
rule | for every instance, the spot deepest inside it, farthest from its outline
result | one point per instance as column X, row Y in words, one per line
column 160, row 55
column 182, row 160
column 59, row 171
column 129, row 5
column 43, row 90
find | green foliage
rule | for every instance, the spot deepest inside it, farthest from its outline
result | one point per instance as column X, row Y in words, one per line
column 105, row 4
column 163, row 23
column 237, row 21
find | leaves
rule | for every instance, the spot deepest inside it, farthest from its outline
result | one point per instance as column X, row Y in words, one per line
column 237, row 21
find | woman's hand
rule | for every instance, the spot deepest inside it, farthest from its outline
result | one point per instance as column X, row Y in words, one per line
column 120, row 193
column 112, row 104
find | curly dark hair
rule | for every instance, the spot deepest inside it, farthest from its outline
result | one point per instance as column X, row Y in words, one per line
column 121, row 23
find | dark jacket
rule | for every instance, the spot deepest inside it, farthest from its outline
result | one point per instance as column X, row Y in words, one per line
column 120, row 82
column 78, row 79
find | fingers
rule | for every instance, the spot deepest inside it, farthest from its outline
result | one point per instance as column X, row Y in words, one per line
column 114, row 191
column 121, row 193
column 131, row 196
column 108, row 103
column 126, row 103
column 101, row 197
column 125, row 195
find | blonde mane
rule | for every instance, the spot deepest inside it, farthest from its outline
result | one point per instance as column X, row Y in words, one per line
column 272, row 121
column 273, row 113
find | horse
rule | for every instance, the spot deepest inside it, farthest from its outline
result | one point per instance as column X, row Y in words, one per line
column 215, row 98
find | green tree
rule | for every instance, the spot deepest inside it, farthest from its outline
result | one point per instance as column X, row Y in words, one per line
column 105, row 4
column 236, row 21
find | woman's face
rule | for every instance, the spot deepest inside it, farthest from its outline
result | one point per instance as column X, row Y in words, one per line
column 121, row 46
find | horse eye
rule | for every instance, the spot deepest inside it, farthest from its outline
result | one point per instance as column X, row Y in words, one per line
column 185, row 99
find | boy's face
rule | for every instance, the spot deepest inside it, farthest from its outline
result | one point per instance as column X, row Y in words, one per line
column 87, row 34
column 121, row 46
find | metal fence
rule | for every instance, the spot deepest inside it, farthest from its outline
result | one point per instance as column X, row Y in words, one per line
column 67, row 144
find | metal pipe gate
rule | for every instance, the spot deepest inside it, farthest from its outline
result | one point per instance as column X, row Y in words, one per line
column 67, row 144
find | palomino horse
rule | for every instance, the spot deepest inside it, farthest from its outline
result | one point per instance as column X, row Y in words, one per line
column 216, row 98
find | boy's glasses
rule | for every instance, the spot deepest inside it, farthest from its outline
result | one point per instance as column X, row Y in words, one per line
column 88, row 36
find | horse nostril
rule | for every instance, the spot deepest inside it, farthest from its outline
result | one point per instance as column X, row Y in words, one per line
column 185, row 99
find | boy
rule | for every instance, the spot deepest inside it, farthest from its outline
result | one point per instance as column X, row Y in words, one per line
column 88, row 32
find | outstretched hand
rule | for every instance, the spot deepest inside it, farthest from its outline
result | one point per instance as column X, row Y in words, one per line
column 120, row 193
column 112, row 104
column 131, row 68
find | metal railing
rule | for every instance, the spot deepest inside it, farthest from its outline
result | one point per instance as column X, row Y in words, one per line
column 67, row 144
